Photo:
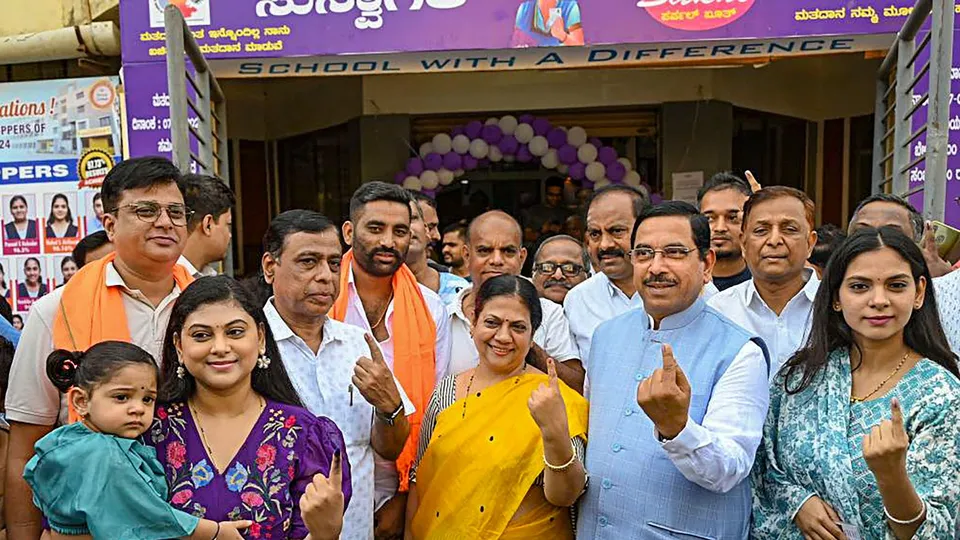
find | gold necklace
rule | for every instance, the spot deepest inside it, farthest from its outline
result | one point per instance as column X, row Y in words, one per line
column 203, row 434
column 382, row 315
column 854, row 399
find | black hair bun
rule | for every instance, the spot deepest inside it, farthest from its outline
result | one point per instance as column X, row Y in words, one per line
column 62, row 366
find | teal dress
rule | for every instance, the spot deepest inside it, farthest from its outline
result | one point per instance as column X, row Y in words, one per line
column 813, row 446
column 86, row 482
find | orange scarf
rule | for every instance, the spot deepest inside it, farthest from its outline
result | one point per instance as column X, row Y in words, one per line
column 414, row 349
column 90, row 312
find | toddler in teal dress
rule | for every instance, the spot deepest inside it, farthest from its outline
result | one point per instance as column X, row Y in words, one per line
column 94, row 477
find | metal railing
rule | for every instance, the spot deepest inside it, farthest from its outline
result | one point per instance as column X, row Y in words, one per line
column 209, row 106
column 897, row 104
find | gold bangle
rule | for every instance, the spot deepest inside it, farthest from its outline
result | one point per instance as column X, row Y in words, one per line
column 566, row 465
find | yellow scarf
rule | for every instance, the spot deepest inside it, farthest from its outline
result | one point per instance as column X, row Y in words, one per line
column 414, row 350
column 488, row 457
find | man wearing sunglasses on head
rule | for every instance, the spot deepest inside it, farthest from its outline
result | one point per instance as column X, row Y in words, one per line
column 559, row 265
column 126, row 296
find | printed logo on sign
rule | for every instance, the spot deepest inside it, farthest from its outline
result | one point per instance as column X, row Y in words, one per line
column 195, row 12
column 93, row 168
column 102, row 94
column 696, row 15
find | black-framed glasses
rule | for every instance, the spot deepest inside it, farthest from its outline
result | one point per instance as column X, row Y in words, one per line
column 568, row 269
column 646, row 254
column 149, row 212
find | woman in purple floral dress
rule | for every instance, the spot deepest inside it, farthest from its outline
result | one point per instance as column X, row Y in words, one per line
column 231, row 433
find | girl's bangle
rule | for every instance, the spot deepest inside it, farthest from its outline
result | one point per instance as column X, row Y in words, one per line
column 923, row 512
column 565, row 466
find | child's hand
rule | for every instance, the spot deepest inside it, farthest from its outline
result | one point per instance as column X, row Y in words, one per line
column 230, row 530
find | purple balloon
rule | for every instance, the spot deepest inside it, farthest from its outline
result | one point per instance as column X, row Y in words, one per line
column 586, row 184
column 525, row 119
column 457, row 130
column 616, row 171
column 523, row 154
column 414, row 166
column 606, row 155
column 656, row 198
column 433, row 161
column 567, row 154
column 469, row 163
column 508, row 145
column 452, row 161
column 578, row 171
column 472, row 130
column 491, row 134
column 557, row 138
column 399, row 177
column 541, row 126
column 432, row 193
column 595, row 141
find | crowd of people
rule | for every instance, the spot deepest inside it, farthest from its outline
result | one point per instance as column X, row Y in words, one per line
column 719, row 371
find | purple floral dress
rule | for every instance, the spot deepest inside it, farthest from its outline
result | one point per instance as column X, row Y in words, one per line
column 265, row 480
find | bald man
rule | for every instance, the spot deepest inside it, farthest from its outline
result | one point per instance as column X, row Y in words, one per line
column 495, row 247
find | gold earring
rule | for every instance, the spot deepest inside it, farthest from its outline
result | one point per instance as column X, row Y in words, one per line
column 836, row 307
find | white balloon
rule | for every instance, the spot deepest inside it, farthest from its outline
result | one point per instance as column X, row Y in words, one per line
column 632, row 179
column 563, row 168
column 596, row 171
column 524, row 133
column 587, row 153
column 601, row 183
column 461, row 144
column 508, row 124
column 491, row 121
column 539, row 146
column 645, row 190
column 458, row 173
column 626, row 163
column 446, row 177
column 425, row 149
column 429, row 179
column 550, row 159
column 412, row 183
column 494, row 154
column 509, row 158
column 479, row 148
column 564, row 129
column 442, row 143
column 577, row 136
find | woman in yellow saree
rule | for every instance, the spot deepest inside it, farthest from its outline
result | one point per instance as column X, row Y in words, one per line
column 502, row 445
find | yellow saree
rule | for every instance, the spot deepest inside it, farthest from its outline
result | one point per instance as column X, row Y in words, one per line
column 481, row 462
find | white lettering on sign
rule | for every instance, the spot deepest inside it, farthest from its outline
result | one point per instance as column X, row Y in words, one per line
column 371, row 11
column 657, row 3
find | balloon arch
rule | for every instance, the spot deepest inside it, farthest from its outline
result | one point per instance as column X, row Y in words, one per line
column 524, row 139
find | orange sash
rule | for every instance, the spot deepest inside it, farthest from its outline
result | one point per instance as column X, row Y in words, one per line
column 90, row 312
column 414, row 349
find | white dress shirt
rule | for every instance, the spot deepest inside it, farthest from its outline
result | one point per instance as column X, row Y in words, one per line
column 592, row 302
column 783, row 334
column 718, row 453
column 386, row 477
column 206, row 271
column 947, row 290
column 553, row 336
column 324, row 383
column 31, row 397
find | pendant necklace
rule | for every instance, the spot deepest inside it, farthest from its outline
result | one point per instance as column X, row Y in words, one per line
column 854, row 399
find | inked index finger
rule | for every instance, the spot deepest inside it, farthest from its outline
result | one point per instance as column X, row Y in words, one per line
column 896, row 412
column 669, row 361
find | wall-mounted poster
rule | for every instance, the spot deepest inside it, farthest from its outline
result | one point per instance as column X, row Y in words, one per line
column 58, row 139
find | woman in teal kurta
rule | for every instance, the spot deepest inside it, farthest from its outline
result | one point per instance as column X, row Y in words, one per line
column 864, row 422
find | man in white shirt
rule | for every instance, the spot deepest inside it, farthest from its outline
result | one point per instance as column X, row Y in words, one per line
column 210, row 228
column 777, row 303
column 494, row 244
column 610, row 217
column 325, row 357
column 146, row 220
column 379, row 233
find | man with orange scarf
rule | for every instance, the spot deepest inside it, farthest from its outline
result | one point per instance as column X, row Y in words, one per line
column 379, row 294
column 126, row 296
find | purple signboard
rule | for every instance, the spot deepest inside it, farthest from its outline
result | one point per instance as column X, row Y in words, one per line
column 148, row 111
column 285, row 28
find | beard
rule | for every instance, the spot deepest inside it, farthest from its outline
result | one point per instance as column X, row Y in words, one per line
column 728, row 254
column 373, row 267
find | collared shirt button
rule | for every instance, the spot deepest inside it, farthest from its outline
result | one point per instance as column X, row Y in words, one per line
column 639, row 377
column 628, row 412
column 603, row 521
column 606, row 484
column 616, row 447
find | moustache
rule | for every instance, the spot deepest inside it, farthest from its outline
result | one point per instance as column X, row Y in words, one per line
column 385, row 251
column 659, row 279
column 614, row 252
column 557, row 283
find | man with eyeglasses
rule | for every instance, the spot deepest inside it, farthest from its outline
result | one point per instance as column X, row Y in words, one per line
column 559, row 265
column 680, row 398
column 721, row 200
column 126, row 296
column 777, row 303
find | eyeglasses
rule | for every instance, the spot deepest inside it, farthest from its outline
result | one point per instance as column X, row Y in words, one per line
column 149, row 212
column 568, row 269
column 647, row 254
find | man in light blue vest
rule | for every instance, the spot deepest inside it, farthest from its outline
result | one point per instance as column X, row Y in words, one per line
column 678, row 398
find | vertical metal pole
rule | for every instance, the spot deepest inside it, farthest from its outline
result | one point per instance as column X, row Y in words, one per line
column 205, row 146
column 901, row 150
column 223, row 155
column 879, row 129
column 177, row 85
column 938, row 111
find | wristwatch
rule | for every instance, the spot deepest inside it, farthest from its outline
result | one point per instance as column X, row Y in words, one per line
column 390, row 418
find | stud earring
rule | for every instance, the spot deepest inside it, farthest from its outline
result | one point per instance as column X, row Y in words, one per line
column 836, row 307
column 263, row 361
